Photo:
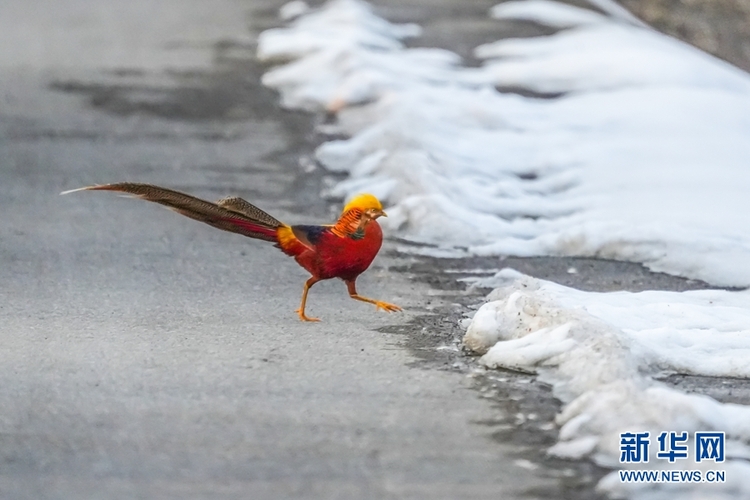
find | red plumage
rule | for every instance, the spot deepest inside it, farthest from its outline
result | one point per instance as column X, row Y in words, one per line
column 333, row 256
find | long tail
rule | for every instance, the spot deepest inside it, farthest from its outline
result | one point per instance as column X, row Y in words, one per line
column 230, row 214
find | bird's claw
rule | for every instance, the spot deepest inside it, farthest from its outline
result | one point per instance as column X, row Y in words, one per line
column 303, row 317
column 387, row 307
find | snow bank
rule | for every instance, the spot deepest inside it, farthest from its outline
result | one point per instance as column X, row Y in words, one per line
column 600, row 351
column 644, row 157
column 640, row 154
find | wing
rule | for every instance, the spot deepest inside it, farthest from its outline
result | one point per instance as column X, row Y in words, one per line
column 296, row 240
column 229, row 214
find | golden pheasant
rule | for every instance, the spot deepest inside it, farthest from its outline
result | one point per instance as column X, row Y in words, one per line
column 342, row 250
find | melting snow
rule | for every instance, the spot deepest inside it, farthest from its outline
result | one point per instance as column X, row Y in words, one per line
column 644, row 157
column 601, row 352
column 640, row 153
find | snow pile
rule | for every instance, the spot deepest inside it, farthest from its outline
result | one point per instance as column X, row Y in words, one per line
column 600, row 351
column 644, row 156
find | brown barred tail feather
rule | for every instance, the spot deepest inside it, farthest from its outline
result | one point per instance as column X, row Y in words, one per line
column 229, row 214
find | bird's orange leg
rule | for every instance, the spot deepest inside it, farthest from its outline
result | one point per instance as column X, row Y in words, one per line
column 301, row 311
column 379, row 304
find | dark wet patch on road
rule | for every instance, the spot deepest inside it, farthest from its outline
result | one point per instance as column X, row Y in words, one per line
column 225, row 92
column 723, row 389
column 228, row 90
column 590, row 274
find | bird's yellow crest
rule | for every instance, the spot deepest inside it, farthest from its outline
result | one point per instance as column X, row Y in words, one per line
column 364, row 201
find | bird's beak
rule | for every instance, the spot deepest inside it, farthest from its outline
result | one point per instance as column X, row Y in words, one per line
column 382, row 214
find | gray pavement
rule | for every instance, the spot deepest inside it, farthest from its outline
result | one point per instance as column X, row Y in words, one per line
column 144, row 355
column 720, row 27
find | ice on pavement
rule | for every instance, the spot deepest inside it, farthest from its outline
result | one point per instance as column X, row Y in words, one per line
column 642, row 156
column 601, row 352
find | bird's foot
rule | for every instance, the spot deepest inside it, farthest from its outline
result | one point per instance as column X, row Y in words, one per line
column 303, row 317
column 387, row 307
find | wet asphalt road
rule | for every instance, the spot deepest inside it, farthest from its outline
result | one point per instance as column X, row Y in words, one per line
column 147, row 356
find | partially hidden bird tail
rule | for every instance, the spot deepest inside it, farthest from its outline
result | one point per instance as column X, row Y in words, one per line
column 230, row 214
